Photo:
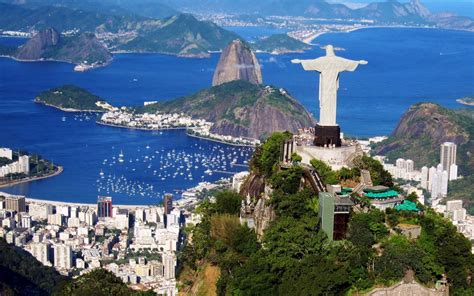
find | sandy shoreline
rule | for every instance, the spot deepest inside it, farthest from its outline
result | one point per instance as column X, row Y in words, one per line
column 140, row 128
column 26, row 180
column 220, row 141
column 70, row 110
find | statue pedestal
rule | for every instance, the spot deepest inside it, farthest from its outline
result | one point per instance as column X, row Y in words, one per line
column 327, row 136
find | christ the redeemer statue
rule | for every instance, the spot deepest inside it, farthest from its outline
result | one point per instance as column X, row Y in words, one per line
column 329, row 67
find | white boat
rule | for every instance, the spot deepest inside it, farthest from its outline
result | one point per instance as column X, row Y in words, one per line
column 121, row 153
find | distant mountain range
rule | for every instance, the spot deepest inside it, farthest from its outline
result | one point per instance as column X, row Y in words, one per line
column 182, row 34
column 383, row 12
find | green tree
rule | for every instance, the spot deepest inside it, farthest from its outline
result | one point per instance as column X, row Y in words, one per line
column 228, row 202
column 325, row 171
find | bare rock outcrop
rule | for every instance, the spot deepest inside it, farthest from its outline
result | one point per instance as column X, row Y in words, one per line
column 237, row 62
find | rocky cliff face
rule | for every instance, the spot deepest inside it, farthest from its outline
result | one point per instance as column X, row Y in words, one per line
column 36, row 47
column 237, row 61
column 50, row 45
column 241, row 109
column 423, row 128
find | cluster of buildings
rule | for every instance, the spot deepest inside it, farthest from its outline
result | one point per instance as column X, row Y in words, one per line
column 21, row 166
column 458, row 215
column 204, row 131
column 137, row 243
column 155, row 121
column 435, row 180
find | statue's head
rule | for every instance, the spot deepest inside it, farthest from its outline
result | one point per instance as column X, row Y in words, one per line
column 330, row 50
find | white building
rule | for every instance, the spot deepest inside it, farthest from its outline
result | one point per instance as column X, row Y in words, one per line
column 39, row 211
column 6, row 153
column 41, row 252
column 453, row 205
column 424, row 177
column 62, row 256
column 169, row 265
column 55, row 219
column 24, row 162
column 63, row 210
column 25, row 220
column 238, row 179
column 453, row 172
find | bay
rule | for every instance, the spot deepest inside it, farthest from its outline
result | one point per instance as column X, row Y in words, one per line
column 405, row 66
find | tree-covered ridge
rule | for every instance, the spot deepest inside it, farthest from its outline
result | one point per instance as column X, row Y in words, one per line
column 280, row 43
column 295, row 257
column 70, row 97
column 98, row 282
column 18, row 17
column 22, row 274
column 182, row 34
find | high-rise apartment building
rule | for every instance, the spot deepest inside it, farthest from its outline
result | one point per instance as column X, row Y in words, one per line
column 104, row 206
column 448, row 155
column 15, row 203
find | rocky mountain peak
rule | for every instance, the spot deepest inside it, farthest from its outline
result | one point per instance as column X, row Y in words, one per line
column 38, row 44
column 419, row 8
column 237, row 62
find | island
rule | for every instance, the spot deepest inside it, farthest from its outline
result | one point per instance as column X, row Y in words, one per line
column 20, row 167
column 83, row 50
column 468, row 101
column 280, row 44
column 70, row 98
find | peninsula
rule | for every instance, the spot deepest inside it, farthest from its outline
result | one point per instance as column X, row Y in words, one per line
column 70, row 98
column 19, row 167
column 468, row 101
column 280, row 44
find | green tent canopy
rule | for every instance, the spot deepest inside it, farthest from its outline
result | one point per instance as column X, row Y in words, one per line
column 407, row 206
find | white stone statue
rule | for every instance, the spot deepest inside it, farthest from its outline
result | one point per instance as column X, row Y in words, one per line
column 329, row 67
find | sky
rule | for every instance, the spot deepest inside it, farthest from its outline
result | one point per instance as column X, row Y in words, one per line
column 460, row 7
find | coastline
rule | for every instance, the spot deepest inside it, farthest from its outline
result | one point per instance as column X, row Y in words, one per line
column 310, row 39
column 26, row 180
column 174, row 128
column 220, row 141
column 463, row 102
column 53, row 60
column 70, row 110
column 53, row 202
column 140, row 128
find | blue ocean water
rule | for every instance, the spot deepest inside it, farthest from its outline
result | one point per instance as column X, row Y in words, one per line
column 405, row 66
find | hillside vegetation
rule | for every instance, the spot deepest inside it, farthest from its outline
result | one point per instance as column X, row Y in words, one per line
column 181, row 34
column 280, row 43
column 295, row 257
column 22, row 274
column 239, row 108
column 70, row 97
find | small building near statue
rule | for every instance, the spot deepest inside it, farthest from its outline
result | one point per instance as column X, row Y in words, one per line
column 334, row 213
